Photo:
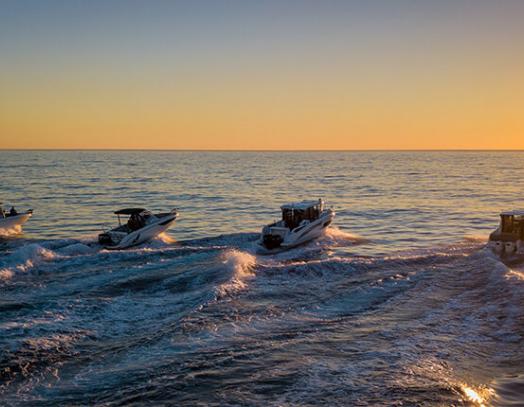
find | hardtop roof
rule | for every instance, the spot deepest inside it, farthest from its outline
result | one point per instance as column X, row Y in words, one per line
column 301, row 205
column 517, row 212
column 129, row 211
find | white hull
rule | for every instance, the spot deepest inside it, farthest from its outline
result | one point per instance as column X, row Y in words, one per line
column 144, row 234
column 301, row 234
column 499, row 247
column 11, row 222
column 311, row 231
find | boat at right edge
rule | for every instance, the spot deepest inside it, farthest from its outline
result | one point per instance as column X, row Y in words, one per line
column 301, row 222
column 508, row 238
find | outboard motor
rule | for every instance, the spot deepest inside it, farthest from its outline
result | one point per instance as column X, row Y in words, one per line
column 510, row 247
column 498, row 246
column 272, row 241
column 105, row 239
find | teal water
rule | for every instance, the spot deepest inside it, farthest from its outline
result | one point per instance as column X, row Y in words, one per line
column 398, row 302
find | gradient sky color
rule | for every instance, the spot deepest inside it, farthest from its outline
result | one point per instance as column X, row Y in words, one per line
column 445, row 74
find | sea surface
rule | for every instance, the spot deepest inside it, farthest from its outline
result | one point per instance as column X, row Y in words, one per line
column 399, row 303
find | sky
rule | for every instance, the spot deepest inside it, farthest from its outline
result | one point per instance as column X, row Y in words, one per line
column 262, row 75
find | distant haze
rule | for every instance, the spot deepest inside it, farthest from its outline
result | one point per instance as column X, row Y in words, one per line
column 447, row 74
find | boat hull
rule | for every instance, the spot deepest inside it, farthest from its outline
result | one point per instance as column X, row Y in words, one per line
column 501, row 247
column 310, row 232
column 144, row 234
column 12, row 222
column 300, row 235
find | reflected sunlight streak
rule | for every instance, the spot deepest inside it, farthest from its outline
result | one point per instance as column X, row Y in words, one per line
column 479, row 396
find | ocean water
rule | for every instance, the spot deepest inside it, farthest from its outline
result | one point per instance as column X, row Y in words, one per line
column 399, row 303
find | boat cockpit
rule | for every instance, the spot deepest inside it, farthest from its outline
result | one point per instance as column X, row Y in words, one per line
column 138, row 218
column 294, row 214
column 12, row 212
column 140, row 226
column 511, row 227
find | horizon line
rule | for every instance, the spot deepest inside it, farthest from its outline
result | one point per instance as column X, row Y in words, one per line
column 270, row 150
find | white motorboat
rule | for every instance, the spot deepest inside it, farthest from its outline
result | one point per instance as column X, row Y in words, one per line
column 301, row 222
column 141, row 226
column 508, row 238
column 10, row 220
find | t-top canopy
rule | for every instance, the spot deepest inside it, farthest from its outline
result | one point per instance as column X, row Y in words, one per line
column 129, row 211
column 513, row 213
column 301, row 205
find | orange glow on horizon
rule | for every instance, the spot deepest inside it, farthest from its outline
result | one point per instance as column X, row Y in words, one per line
column 280, row 115
column 401, row 81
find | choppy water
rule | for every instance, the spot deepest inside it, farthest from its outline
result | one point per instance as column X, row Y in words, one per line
column 399, row 303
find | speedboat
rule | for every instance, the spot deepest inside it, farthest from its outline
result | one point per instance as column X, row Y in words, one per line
column 301, row 222
column 12, row 219
column 141, row 226
column 508, row 238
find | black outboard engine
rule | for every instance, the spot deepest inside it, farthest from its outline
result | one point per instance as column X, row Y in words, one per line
column 105, row 239
column 272, row 241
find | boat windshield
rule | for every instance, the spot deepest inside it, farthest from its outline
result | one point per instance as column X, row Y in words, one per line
column 136, row 221
column 293, row 217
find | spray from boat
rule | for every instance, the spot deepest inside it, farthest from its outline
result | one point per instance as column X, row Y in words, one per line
column 11, row 221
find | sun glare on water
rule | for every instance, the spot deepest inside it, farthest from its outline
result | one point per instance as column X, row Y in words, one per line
column 478, row 396
column 518, row 275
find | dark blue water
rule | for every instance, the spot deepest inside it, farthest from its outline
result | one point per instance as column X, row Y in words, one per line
column 398, row 303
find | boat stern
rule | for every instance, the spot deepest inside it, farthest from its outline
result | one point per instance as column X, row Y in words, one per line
column 273, row 236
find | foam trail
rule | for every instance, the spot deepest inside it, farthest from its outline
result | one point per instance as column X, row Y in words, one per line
column 24, row 259
column 15, row 230
column 476, row 238
column 518, row 275
column 241, row 264
column 339, row 236
column 478, row 396
column 6, row 274
column 76, row 249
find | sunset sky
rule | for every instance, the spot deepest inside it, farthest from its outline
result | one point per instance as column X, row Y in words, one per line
column 262, row 74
